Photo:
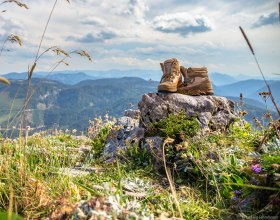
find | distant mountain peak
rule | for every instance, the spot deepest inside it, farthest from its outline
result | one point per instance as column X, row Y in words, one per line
column 220, row 79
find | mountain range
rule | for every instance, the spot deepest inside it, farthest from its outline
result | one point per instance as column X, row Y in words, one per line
column 74, row 77
column 70, row 100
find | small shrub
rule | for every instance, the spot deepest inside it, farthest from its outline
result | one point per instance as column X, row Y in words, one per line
column 269, row 160
column 177, row 126
column 137, row 157
column 98, row 142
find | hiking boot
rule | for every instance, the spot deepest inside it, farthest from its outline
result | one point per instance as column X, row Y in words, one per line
column 172, row 77
column 196, row 82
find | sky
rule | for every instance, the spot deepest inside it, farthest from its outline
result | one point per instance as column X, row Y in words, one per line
column 139, row 34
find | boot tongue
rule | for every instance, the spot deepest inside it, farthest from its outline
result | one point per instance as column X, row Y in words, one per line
column 168, row 68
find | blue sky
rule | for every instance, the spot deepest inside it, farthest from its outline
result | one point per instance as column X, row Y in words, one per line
column 138, row 34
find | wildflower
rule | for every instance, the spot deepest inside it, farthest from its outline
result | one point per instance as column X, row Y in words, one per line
column 257, row 122
column 106, row 118
column 237, row 192
column 256, row 168
column 242, row 113
column 184, row 156
column 234, row 198
column 178, row 147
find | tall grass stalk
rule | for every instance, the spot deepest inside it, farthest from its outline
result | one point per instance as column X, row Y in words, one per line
column 168, row 174
column 30, row 72
column 44, row 32
column 256, row 60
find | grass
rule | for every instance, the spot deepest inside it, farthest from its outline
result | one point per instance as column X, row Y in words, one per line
column 37, row 178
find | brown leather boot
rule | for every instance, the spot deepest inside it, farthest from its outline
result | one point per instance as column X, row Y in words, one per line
column 196, row 81
column 172, row 77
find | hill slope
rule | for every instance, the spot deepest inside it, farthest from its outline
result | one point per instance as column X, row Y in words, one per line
column 71, row 106
column 67, row 106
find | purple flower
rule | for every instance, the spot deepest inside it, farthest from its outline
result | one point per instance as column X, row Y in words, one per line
column 237, row 192
column 256, row 168
column 234, row 198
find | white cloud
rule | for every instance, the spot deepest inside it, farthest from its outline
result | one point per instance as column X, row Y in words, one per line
column 183, row 23
column 93, row 37
column 91, row 20
column 128, row 62
column 137, row 8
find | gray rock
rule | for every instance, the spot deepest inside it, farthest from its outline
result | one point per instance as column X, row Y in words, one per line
column 135, row 114
column 212, row 112
column 127, row 123
column 135, row 135
column 127, row 132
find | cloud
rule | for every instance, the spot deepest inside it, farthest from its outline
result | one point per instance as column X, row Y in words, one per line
column 133, row 62
column 182, row 23
column 93, row 38
column 271, row 19
column 137, row 8
column 8, row 26
column 94, row 21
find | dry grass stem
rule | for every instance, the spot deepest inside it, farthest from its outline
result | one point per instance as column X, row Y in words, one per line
column 169, row 177
column 267, row 85
column 45, row 29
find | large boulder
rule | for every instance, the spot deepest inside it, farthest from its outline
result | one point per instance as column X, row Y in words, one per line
column 213, row 112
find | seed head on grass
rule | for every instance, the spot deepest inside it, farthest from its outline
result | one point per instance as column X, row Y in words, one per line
column 20, row 4
column 59, row 51
column 247, row 40
column 30, row 72
column 267, row 85
column 83, row 53
column 4, row 80
column 14, row 39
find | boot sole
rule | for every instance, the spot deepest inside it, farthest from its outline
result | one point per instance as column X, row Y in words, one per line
column 195, row 92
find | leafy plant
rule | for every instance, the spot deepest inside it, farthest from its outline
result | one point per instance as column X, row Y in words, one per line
column 136, row 157
column 7, row 216
column 178, row 126
column 98, row 142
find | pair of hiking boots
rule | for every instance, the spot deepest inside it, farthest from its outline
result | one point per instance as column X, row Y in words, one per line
column 196, row 80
